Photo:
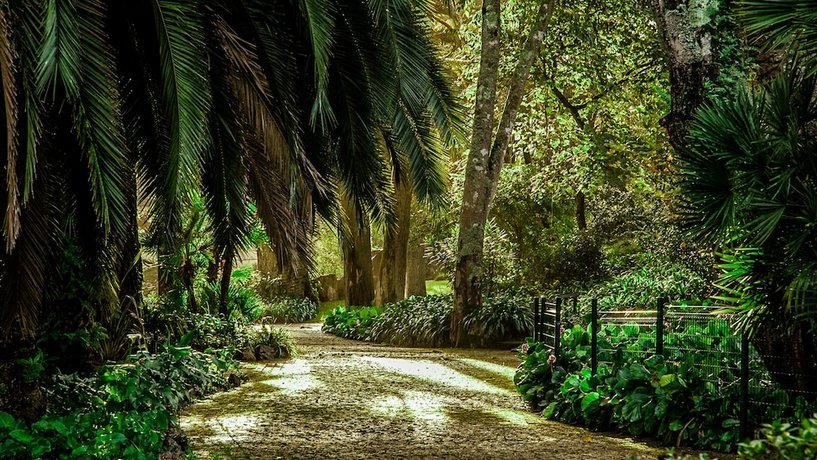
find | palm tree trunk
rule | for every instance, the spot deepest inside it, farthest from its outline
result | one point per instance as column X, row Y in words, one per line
column 130, row 270
column 394, row 259
column 357, row 256
column 416, row 271
column 226, row 275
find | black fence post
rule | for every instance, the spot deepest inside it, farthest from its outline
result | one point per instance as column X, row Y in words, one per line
column 744, row 386
column 594, row 336
column 537, row 319
column 659, row 326
column 557, row 334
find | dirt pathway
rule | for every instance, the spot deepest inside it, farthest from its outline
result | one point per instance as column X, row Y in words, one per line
column 346, row 399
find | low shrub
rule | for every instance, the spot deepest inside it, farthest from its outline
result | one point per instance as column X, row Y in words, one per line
column 506, row 315
column 416, row 321
column 123, row 411
column 784, row 441
column 351, row 322
column 425, row 321
column 288, row 310
column 673, row 398
column 640, row 288
column 209, row 332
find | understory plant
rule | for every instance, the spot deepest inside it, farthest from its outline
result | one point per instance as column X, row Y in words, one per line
column 415, row 321
column 209, row 331
column 288, row 310
column 681, row 397
column 425, row 321
column 121, row 411
column 785, row 441
column 351, row 322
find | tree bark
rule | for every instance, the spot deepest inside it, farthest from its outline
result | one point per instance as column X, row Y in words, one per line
column 212, row 268
column 267, row 260
column 226, row 275
column 130, row 269
column 687, row 38
column 357, row 256
column 416, row 271
column 394, row 259
column 187, row 275
column 581, row 217
column 485, row 159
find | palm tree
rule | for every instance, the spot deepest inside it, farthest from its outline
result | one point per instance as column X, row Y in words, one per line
column 749, row 182
column 277, row 104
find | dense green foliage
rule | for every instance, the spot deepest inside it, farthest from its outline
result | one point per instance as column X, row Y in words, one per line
column 783, row 441
column 680, row 398
column 122, row 411
column 288, row 310
column 426, row 321
column 351, row 322
column 416, row 321
column 210, row 332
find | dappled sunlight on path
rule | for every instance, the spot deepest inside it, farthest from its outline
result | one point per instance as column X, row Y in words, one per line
column 347, row 399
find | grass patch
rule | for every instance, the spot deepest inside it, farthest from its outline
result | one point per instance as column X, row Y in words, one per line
column 325, row 308
column 438, row 287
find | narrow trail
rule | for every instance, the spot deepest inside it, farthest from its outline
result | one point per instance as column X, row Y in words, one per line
column 347, row 399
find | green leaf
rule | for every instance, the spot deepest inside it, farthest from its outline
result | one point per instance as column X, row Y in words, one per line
column 676, row 425
column 21, row 436
column 550, row 410
column 589, row 399
column 6, row 421
column 666, row 380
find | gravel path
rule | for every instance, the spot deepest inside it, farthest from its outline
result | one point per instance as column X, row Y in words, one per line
column 346, row 399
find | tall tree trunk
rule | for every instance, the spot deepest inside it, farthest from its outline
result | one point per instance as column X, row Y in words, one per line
column 687, row 38
column 393, row 262
column 187, row 275
column 212, row 267
column 130, row 270
column 485, row 159
column 416, row 271
column 267, row 260
column 357, row 256
column 581, row 216
column 226, row 275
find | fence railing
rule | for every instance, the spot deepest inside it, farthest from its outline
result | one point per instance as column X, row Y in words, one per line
column 547, row 319
column 702, row 337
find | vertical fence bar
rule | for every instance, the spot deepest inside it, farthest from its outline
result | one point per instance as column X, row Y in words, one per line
column 557, row 341
column 594, row 336
column 537, row 318
column 659, row 326
column 744, row 386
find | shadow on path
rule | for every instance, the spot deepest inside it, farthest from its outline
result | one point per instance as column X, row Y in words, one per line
column 346, row 399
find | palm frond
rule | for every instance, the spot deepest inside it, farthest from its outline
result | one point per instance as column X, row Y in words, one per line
column 185, row 100
column 11, row 223
column 319, row 18
column 784, row 24
column 27, row 38
column 24, row 269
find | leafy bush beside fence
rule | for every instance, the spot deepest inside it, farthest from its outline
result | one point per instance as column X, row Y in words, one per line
column 673, row 397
